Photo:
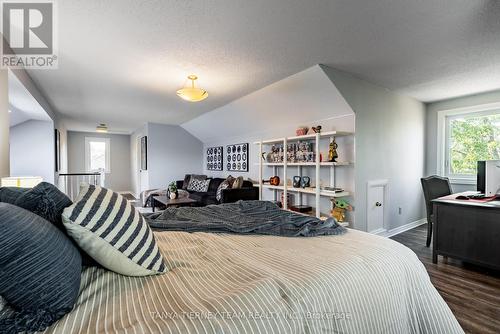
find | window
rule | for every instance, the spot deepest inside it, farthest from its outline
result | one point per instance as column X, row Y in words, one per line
column 97, row 154
column 469, row 136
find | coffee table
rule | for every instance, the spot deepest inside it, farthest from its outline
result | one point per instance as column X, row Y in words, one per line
column 166, row 201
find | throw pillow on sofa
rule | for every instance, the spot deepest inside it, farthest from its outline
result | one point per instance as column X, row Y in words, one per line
column 238, row 183
column 189, row 177
column 40, row 271
column 224, row 185
column 200, row 186
column 113, row 232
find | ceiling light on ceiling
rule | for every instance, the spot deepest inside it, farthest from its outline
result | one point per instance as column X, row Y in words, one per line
column 192, row 94
column 10, row 111
column 102, row 128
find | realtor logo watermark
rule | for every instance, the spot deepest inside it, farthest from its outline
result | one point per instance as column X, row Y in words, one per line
column 29, row 35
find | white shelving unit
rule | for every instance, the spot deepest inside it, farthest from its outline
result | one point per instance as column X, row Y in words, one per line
column 284, row 187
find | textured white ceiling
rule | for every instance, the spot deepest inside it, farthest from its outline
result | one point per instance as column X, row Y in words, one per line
column 121, row 61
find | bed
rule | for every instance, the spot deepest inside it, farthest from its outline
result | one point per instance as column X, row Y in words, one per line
column 230, row 283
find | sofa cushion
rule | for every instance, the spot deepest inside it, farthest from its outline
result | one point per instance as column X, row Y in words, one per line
column 40, row 271
column 214, row 185
column 203, row 198
column 198, row 196
column 113, row 232
column 247, row 184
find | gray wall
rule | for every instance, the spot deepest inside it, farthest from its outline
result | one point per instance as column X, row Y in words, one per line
column 4, row 124
column 172, row 153
column 431, row 129
column 32, row 149
column 390, row 130
column 119, row 178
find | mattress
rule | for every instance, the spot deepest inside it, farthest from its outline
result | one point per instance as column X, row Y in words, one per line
column 227, row 283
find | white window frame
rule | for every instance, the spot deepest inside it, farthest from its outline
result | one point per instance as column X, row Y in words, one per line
column 107, row 142
column 443, row 137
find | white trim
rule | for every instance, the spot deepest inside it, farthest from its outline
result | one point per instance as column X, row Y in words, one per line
column 378, row 183
column 442, row 135
column 107, row 142
column 463, row 180
column 401, row 229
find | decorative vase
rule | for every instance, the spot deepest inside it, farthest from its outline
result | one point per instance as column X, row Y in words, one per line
column 173, row 195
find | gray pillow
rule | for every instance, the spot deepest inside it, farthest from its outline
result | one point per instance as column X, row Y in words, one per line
column 46, row 201
column 10, row 194
column 39, row 271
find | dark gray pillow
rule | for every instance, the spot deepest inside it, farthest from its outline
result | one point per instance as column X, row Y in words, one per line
column 10, row 194
column 49, row 203
column 39, row 271
column 46, row 201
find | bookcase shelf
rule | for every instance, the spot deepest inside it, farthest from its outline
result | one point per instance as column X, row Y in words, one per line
column 316, row 190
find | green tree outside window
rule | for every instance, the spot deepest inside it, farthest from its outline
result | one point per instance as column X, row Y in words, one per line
column 472, row 139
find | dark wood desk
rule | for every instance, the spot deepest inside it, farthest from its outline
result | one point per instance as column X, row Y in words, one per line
column 467, row 230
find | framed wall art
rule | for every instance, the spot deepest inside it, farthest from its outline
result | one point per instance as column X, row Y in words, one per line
column 215, row 158
column 237, row 157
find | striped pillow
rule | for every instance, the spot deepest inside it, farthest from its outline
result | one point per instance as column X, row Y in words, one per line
column 113, row 232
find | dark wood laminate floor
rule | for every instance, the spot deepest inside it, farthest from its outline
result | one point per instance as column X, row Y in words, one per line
column 473, row 293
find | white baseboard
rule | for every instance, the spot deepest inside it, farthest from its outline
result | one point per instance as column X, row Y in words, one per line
column 401, row 229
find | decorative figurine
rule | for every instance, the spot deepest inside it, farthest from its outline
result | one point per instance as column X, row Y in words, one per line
column 317, row 129
column 339, row 208
column 332, row 152
column 296, row 181
column 306, row 182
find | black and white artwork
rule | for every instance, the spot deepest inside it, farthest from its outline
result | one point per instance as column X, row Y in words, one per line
column 237, row 157
column 215, row 158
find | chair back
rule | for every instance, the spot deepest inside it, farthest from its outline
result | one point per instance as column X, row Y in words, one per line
column 434, row 187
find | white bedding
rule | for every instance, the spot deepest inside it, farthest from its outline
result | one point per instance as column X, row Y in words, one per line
column 221, row 283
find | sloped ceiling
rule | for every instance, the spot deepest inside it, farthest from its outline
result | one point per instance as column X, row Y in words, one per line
column 299, row 99
column 22, row 105
column 121, row 61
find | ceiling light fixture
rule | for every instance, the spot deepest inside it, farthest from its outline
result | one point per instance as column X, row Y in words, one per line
column 102, row 128
column 192, row 94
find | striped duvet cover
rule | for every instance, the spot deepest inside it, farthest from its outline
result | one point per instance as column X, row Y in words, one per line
column 222, row 283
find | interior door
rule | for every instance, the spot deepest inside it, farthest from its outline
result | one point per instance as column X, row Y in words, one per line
column 376, row 208
column 142, row 175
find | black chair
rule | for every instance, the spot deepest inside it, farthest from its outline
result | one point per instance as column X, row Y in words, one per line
column 434, row 187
